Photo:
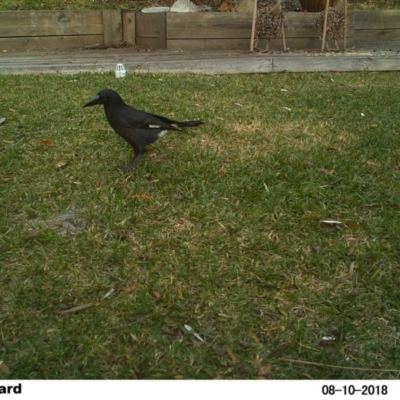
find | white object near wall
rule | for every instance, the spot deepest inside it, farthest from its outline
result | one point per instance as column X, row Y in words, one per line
column 120, row 71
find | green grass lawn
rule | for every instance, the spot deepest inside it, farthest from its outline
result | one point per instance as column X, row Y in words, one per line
column 218, row 228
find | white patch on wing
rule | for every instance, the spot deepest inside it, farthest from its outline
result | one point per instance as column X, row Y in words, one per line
column 154, row 126
column 162, row 133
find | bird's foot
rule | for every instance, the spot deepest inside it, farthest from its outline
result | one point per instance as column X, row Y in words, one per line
column 124, row 168
column 127, row 168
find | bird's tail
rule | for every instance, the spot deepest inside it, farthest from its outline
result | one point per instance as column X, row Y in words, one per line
column 182, row 124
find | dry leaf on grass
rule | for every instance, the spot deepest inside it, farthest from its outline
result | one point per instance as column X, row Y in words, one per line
column 233, row 357
column 153, row 156
column 264, row 372
column 255, row 338
column 183, row 223
column 282, row 312
column 355, row 226
column 180, row 195
column 207, row 138
column 46, row 142
column 74, row 309
column 129, row 288
column 4, row 369
column 156, row 294
column 61, row 164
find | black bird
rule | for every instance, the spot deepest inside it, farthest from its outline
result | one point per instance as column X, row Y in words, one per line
column 137, row 127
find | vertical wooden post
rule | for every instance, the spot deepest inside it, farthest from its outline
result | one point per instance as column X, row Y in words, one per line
column 112, row 27
column 162, row 30
column 283, row 36
column 129, row 27
column 325, row 25
column 253, row 26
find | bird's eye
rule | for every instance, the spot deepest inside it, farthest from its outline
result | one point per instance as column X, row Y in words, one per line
column 105, row 99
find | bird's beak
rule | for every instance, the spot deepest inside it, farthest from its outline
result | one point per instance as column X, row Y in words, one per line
column 93, row 102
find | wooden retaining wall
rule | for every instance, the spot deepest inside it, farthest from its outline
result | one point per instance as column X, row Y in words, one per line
column 378, row 30
column 54, row 30
column 224, row 31
column 58, row 30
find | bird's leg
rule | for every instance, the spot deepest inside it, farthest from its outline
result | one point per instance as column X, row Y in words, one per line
column 337, row 45
column 327, row 45
column 138, row 153
column 133, row 163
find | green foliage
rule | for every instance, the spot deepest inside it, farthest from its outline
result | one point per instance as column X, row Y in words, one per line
column 218, row 228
